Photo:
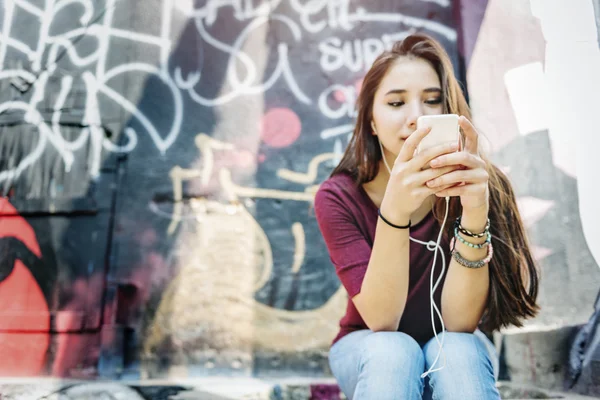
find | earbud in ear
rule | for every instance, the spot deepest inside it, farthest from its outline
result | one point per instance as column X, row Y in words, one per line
column 373, row 127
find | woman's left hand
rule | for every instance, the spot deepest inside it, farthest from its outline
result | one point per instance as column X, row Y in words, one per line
column 471, row 181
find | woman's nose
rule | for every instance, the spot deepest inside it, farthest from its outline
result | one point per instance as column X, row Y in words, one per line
column 415, row 111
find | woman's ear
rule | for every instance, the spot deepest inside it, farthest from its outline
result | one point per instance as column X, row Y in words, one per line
column 373, row 127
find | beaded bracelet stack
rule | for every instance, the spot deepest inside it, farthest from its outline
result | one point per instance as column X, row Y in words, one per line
column 458, row 228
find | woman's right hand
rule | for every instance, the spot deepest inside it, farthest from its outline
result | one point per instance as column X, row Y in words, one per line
column 406, row 189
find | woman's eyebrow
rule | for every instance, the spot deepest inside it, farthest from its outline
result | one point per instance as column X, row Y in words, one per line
column 396, row 91
column 428, row 90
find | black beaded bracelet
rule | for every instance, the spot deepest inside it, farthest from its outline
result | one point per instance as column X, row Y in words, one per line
column 467, row 232
column 392, row 225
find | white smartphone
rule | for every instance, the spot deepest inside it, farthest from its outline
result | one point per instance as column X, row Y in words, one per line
column 444, row 129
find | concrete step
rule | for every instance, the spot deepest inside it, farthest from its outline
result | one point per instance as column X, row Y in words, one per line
column 218, row 388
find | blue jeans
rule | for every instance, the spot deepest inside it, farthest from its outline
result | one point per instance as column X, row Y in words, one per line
column 388, row 365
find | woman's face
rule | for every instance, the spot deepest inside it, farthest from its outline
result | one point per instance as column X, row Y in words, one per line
column 409, row 89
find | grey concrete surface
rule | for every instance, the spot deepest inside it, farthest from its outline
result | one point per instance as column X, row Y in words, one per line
column 207, row 389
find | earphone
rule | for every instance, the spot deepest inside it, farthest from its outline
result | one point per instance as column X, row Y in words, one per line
column 432, row 287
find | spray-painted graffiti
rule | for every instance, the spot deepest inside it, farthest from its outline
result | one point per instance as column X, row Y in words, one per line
column 100, row 105
column 271, row 328
column 44, row 56
column 23, row 282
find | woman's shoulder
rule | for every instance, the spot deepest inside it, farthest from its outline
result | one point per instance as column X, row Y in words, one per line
column 340, row 185
column 338, row 199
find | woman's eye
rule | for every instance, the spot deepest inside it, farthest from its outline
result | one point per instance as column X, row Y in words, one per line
column 434, row 101
column 396, row 103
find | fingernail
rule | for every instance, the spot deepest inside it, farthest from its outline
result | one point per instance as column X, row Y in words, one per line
column 434, row 163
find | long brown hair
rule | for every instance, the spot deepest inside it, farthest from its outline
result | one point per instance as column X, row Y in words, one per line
column 513, row 272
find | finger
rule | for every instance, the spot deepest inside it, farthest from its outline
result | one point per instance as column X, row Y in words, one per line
column 460, row 190
column 463, row 175
column 429, row 174
column 425, row 192
column 422, row 159
column 458, row 158
column 442, row 188
column 410, row 145
column 471, row 135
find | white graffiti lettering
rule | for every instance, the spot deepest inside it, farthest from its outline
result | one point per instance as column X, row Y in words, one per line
column 346, row 101
column 356, row 55
column 96, row 78
column 244, row 73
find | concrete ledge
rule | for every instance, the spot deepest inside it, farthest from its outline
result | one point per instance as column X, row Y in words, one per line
column 214, row 389
column 536, row 357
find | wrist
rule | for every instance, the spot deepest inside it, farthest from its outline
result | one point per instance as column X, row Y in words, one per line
column 395, row 217
column 474, row 219
column 390, row 223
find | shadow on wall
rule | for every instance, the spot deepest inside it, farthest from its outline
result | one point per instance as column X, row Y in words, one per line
column 548, row 199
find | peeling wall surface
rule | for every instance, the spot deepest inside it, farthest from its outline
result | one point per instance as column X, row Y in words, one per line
column 159, row 158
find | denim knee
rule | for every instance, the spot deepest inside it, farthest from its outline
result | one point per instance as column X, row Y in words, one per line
column 468, row 372
column 390, row 367
column 392, row 348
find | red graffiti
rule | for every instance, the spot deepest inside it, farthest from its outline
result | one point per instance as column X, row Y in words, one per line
column 280, row 127
column 77, row 353
column 24, row 307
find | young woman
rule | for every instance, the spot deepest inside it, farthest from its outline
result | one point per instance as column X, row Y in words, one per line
column 380, row 213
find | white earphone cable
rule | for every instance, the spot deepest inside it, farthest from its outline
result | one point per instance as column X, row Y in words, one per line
column 432, row 287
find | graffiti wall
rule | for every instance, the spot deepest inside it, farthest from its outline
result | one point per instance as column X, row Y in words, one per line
column 159, row 160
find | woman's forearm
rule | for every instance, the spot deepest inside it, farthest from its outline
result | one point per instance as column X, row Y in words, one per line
column 465, row 291
column 384, row 288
